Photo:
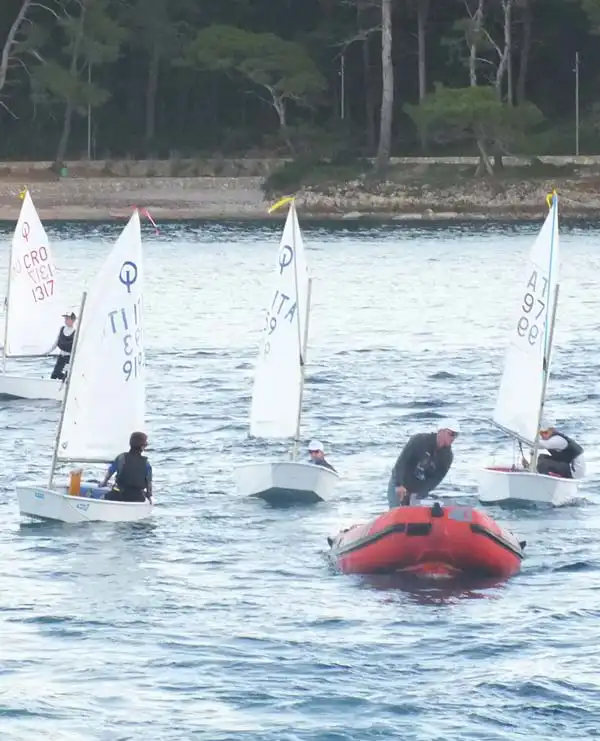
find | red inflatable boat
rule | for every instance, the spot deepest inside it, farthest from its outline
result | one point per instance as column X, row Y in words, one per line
column 432, row 541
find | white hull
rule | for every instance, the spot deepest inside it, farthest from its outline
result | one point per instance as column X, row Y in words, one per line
column 19, row 387
column 285, row 482
column 503, row 485
column 42, row 503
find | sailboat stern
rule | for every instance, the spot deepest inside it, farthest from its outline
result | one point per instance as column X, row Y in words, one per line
column 509, row 485
column 41, row 503
column 20, row 387
column 282, row 483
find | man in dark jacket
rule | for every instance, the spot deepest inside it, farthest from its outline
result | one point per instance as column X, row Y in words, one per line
column 133, row 481
column 422, row 465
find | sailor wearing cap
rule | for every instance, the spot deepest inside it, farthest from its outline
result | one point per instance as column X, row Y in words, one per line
column 317, row 456
column 64, row 343
column 423, row 464
column 565, row 456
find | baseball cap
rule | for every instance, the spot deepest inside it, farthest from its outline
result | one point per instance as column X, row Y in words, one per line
column 315, row 445
column 449, row 424
column 545, row 424
column 70, row 315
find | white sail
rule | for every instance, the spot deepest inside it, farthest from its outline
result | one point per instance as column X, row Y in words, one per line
column 33, row 303
column 278, row 378
column 520, row 395
column 106, row 396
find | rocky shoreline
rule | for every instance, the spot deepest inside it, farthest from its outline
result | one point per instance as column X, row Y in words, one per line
column 102, row 196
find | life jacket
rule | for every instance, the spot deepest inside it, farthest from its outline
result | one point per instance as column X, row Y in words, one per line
column 65, row 342
column 132, row 473
column 569, row 454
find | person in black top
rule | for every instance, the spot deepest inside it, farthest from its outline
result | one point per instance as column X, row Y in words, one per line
column 317, row 456
column 64, row 343
column 422, row 465
column 565, row 456
column 133, row 481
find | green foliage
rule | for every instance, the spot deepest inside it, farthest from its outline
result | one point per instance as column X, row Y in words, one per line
column 240, row 53
column 90, row 38
column 282, row 67
column 57, row 82
column 450, row 114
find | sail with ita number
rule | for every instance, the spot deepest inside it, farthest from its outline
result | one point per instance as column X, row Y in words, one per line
column 276, row 396
column 106, row 396
column 520, row 395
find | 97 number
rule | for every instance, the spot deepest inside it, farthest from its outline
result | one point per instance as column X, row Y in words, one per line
column 524, row 326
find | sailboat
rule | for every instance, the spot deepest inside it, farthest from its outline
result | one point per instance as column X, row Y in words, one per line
column 276, row 409
column 33, row 309
column 105, row 394
column 522, row 394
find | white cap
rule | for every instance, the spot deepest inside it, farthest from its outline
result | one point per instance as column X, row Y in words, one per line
column 315, row 445
column 449, row 424
column 545, row 424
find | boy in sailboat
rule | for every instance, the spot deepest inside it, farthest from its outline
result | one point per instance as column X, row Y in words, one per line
column 422, row 465
column 317, row 455
column 565, row 456
column 133, row 481
column 64, row 343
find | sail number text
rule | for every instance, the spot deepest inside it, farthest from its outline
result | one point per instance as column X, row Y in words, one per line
column 127, row 323
column 533, row 308
column 283, row 309
column 40, row 270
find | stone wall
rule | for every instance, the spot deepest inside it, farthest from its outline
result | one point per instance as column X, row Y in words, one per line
column 234, row 167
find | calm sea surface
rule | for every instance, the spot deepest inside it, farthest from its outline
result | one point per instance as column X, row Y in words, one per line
column 222, row 619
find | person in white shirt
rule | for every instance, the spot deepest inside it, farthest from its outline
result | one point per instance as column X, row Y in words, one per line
column 565, row 456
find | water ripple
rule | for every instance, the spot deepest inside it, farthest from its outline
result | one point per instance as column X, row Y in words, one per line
column 223, row 619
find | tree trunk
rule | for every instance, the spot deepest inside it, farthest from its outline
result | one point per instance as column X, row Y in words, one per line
column 475, row 31
column 279, row 106
column 151, row 88
column 387, row 92
column 369, row 93
column 10, row 40
column 422, row 13
column 505, row 52
column 66, row 129
column 524, row 52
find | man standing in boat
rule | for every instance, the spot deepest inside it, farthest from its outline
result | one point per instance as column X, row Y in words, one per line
column 133, row 481
column 422, row 465
column 565, row 456
column 64, row 343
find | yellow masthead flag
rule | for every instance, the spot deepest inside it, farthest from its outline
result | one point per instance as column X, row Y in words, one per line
column 22, row 193
column 280, row 203
column 549, row 198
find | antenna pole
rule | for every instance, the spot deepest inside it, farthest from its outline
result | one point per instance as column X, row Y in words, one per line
column 66, row 396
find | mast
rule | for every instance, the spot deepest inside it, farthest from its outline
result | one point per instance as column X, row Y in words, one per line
column 535, row 449
column 304, row 347
column 6, row 305
column 302, row 341
column 66, row 396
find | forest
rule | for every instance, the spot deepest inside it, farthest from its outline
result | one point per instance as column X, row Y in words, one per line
column 372, row 78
